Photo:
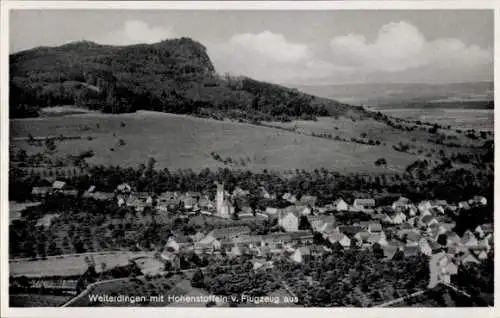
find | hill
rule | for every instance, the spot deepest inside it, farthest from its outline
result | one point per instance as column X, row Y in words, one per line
column 173, row 76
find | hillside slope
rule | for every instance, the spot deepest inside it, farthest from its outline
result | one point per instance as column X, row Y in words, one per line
column 174, row 76
column 185, row 142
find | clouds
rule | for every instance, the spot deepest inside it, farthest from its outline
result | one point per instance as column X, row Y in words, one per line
column 400, row 46
column 135, row 32
column 399, row 51
column 269, row 56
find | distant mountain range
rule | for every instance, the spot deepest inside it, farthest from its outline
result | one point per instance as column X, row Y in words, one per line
column 408, row 95
column 173, row 76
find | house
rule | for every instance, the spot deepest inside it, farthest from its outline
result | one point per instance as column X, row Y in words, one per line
column 124, row 188
column 401, row 234
column 205, row 204
column 340, row 205
column 308, row 200
column 400, row 204
column 379, row 238
column 374, row 227
column 198, row 236
column 398, row 218
column 457, row 249
column 301, row 255
column 172, row 259
column 439, row 203
column 238, row 250
column 464, row 205
column 303, row 237
column 208, row 244
column 484, row 229
column 261, row 264
column 410, row 251
column 276, row 240
column 136, row 203
column 452, row 239
column 412, row 221
column 289, row 197
column 58, row 185
column 271, row 211
column 390, row 250
column 427, row 220
column 176, row 243
column 189, row 202
column 367, row 238
column 424, row 207
column 349, row 230
column 412, row 210
column 445, row 227
column 412, row 238
column 239, row 192
column 480, row 252
column 288, row 220
column 469, row 239
column 478, row 200
column 99, row 195
column 436, row 210
column 40, row 192
column 320, row 222
column 441, row 268
column 467, row 258
column 406, row 226
column 425, row 247
column 47, row 220
column 339, row 237
column 363, row 204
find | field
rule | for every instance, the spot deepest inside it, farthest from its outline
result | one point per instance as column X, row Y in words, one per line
column 37, row 300
column 67, row 265
column 481, row 119
column 177, row 141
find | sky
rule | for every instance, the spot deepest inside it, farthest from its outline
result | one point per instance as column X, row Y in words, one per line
column 292, row 47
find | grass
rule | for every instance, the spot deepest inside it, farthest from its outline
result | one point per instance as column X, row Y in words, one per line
column 67, row 265
column 37, row 300
column 182, row 142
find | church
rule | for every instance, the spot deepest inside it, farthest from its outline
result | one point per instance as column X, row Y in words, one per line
column 224, row 207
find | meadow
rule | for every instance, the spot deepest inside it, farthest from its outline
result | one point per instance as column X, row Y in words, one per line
column 481, row 119
column 68, row 265
column 183, row 142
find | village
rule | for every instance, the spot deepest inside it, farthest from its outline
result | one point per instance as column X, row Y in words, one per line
column 400, row 229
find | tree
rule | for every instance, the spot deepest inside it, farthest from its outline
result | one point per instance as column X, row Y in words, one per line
column 304, row 223
column 198, row 280
column 50, row 144
column 381, row 162
column 442, row 240
column 378, row 251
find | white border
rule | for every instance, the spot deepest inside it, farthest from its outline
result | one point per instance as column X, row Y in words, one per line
column 6, row 6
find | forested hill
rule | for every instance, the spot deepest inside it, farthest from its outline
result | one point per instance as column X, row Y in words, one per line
column 174, row 76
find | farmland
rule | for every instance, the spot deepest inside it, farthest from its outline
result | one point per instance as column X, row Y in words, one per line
column 458, row 118
column 182, row 142
column 68, row 265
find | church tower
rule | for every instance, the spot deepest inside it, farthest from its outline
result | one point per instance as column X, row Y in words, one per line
column 219, row 198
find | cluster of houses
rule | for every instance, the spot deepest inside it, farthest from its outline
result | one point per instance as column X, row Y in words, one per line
column 402, row 227
column 400, row 230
